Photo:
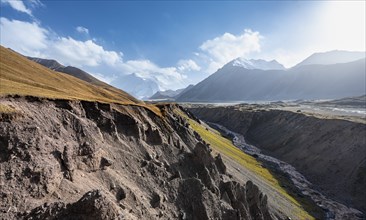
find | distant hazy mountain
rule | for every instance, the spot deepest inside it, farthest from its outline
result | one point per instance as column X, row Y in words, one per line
column 236, row 83
column 332, row 57
column 170, row 94
column 257, row 64
column 136, row 86
column 184, row 91
column 167, row 94
column 76, row 72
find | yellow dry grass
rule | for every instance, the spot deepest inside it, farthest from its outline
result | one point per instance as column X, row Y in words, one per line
column 20, row 76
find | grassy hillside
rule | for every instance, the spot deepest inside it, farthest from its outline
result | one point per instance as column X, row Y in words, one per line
column 225, row 147
column 24, row 77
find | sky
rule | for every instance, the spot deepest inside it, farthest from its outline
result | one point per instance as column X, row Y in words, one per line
column 178, row 43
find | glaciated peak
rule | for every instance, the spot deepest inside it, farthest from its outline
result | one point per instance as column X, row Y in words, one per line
column 257, row 64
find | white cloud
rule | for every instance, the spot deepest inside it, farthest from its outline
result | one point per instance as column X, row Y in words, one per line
column 36, row 3
column 222, row 49
column 82, row 30
column 33, row 40
column 83, row 53
column 24, row 37
column 188, row 65
column 18, row 5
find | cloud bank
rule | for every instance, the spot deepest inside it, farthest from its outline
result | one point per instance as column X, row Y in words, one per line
column 227, row 47
column 214, row 53
column 31, row 39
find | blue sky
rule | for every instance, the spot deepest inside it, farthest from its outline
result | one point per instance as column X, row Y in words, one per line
column 162, row 31
column 178, row 42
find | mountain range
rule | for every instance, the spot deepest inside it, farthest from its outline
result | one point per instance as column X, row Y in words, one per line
column 325, row 75
column 328, row 75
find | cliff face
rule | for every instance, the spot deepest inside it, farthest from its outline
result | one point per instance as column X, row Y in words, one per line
column 65, row 159
column 330, row 153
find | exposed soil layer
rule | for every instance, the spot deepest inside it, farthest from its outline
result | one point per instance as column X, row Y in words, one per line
column 330, row 153
column 63, row 159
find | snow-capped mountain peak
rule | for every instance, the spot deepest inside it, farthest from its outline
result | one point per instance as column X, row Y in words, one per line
column 257, row 64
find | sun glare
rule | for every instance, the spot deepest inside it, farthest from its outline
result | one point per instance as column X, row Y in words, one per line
column 342, row 25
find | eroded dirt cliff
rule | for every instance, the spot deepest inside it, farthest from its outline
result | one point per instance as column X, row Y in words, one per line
column 331, row 153
column 64, row 159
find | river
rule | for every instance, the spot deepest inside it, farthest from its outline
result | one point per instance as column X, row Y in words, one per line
column 332, row 209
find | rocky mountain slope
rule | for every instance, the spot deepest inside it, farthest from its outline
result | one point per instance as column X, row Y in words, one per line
column 236, row 83
column 64, row 159
column 330, row 153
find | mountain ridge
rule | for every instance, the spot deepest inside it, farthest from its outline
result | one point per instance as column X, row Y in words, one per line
column 332, row 57
column 71, row 70
column 304, row 82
